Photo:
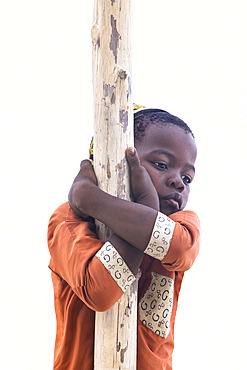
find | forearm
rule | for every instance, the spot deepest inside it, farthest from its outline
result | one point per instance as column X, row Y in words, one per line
column 132, row 256
column 132, row 222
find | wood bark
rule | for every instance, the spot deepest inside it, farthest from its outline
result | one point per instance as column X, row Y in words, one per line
column 116, row 329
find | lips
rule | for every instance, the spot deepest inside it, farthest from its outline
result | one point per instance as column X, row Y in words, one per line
column 174, row 199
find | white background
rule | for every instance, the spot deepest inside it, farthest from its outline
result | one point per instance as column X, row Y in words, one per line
column 189, row 57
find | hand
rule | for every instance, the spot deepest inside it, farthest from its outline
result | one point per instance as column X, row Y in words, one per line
column 86, row 173
column 131, row 221
column 85, row 177
column 142, row 186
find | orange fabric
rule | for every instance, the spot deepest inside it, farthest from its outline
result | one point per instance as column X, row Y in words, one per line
column 82, row 286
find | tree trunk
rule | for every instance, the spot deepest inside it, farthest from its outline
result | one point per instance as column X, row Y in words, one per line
column 116, row 329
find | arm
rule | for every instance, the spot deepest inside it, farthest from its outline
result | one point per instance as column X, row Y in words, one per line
column 97, row 272
column 136, row 223
column 175, row 240
column 74, row 246
column 133, row 222
column 185, row 243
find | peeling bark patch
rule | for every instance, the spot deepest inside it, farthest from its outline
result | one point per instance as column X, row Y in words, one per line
column 98, row 41
column 113, row 98
column 133, row 286
column 123, row 115
column 109, row 91
column 118, row 346
column 108, row 169
column 128, row 309
column 120, row 179
column 129, row 88
column 115, row 36
column 122, row 353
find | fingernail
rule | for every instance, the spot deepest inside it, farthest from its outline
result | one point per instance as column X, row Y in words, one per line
column 131, row 151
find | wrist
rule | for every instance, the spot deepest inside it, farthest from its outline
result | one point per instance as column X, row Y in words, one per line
column 132, row 256
column 149, row 201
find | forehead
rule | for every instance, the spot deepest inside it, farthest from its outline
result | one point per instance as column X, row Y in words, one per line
column 168, row 137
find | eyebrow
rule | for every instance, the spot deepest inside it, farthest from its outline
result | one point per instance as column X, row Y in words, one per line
column 171, row 156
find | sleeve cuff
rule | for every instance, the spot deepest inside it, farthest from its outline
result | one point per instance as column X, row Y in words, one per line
column 116, row 266
column 161, row 237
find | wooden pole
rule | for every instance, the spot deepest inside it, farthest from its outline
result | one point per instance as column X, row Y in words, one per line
column 116, row 329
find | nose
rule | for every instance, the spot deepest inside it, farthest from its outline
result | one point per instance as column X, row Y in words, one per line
column 175, row 181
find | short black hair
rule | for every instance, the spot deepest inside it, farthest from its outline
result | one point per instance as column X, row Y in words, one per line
column 146, row 117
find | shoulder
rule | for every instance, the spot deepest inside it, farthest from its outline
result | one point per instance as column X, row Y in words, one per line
column 187, row 217
column 65, row 212
column 65, row 215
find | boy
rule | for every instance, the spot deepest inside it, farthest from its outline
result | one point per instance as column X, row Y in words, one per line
column 89, row 275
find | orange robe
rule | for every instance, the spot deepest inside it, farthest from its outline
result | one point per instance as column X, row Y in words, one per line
column 83, row 285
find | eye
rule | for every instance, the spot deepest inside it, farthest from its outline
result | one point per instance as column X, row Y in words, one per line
column 186, row 179
column 161, row 165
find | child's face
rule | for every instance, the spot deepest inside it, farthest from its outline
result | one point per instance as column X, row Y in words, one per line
column 168, row 153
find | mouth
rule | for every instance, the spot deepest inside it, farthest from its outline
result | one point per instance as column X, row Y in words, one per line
column 175, row 200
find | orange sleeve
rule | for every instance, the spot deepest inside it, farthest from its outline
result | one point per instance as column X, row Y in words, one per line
column 185, row 242
column 73, row 245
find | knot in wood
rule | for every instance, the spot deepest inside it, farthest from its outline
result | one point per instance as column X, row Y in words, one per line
column 122, row 74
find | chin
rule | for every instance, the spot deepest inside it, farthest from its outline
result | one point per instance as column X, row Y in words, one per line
column 166, row 211
column 169, row 212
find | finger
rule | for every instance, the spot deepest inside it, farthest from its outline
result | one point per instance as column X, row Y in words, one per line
column 85, row 162
column 86, row 171
column 132, row 157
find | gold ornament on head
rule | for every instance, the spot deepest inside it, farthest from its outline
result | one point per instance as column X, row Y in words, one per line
column 138, row 108
column 91, row 152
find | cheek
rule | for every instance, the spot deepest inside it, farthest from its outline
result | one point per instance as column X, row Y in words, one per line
column 186, row 194
column 156, row 180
